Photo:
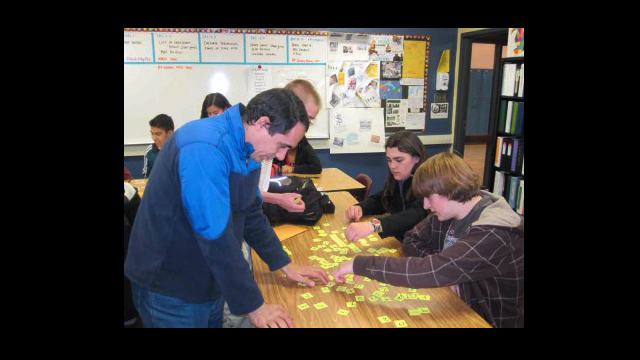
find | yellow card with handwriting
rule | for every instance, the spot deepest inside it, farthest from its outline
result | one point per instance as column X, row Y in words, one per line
column 320, row 305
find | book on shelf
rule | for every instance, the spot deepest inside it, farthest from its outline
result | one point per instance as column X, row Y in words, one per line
column 509, row 79
column 520, row 202
column 513, row 80
column 521, row 84
column 517, row 160
column 511, row 117
column 499, row 143
column 518, row 124
column 502, row 115
column 498, row 183
column 512, row 190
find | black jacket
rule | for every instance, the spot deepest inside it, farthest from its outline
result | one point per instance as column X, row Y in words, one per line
column 404, row 214
column 306, row 162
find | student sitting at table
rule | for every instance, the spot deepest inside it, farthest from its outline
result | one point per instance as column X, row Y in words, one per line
column 214, row 104
column 405, row 152
column 472, row 241
column 161, row 128
column 302, row 159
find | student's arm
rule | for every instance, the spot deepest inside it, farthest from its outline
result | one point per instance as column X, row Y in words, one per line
column 260, row 236
column 286, row 200
column 204, row 175
column 480, row 254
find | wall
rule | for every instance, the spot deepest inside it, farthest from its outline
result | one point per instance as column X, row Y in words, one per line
column 437, row 137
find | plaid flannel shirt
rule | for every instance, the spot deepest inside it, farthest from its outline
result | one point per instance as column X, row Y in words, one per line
column 487, row 262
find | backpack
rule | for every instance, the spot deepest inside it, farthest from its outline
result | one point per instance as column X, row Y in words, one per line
column 315, row 202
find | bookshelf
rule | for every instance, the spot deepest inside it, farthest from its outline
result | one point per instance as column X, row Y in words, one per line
column 504, row 163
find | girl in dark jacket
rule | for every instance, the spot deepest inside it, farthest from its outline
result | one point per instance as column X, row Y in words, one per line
column 405, row 152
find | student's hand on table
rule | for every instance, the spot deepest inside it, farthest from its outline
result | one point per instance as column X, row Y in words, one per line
column 342, row 270
column 358, row 230
column 287, row 170
column 271, row 316
column 291, row 202
column 303, row 273
column 354, row 213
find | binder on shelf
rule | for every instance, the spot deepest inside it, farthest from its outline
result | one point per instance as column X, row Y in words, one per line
column 499, row 143
column 507, row 154
column 498, row 183
column 514, row 117
column 517, row 159
column 513, row 183
column 521, row 85
column 509, row 79
column 509, row 116
column 518, row 128
column 502, row 115
column 520, row 203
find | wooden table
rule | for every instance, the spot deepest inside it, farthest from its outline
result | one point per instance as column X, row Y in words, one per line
column 139, row 184
column 445, row 309
column 333, row 179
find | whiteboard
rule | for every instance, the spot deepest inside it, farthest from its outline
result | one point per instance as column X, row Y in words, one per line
column 167, row 73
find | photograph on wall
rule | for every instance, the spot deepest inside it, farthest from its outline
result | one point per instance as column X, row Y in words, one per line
column 353, row 84
column 390, row 89
column 351, row 47
column 395, row 113
column 439, row 110
column 356, row 130
column 391, row 70
column 386, row 47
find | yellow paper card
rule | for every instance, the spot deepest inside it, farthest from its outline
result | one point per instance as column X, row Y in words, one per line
column 343, row 312
column 303, row 306
column 401, row 323
column 414, row 59
column 384, row 319
column 320, row 305
column 307, row 295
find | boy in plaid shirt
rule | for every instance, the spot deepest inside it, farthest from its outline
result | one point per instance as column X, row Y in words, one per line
column 472, row 241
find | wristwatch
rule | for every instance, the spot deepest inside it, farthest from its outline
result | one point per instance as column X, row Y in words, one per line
column 377, row 226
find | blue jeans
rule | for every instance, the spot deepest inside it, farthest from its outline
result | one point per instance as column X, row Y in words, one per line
column 161, row 311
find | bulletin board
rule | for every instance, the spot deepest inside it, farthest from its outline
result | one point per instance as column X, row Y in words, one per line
column 170, row 71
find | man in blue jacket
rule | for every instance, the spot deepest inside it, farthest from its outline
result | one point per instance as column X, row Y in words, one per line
column 202, row 199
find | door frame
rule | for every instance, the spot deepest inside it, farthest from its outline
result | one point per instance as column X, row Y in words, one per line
column 498, row 37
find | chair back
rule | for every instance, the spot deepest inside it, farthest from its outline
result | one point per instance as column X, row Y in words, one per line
column 365, row 180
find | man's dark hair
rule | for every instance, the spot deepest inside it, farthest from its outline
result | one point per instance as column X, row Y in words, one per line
column 162, row 121
column 283, row 108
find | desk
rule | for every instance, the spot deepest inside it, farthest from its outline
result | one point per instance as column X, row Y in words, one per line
column 445, row 309
column 333, row 179
column 139, row 184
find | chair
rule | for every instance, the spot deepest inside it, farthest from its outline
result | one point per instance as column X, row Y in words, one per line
column 365, row 180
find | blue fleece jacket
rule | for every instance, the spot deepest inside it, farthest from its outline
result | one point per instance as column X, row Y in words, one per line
column 201, row 200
